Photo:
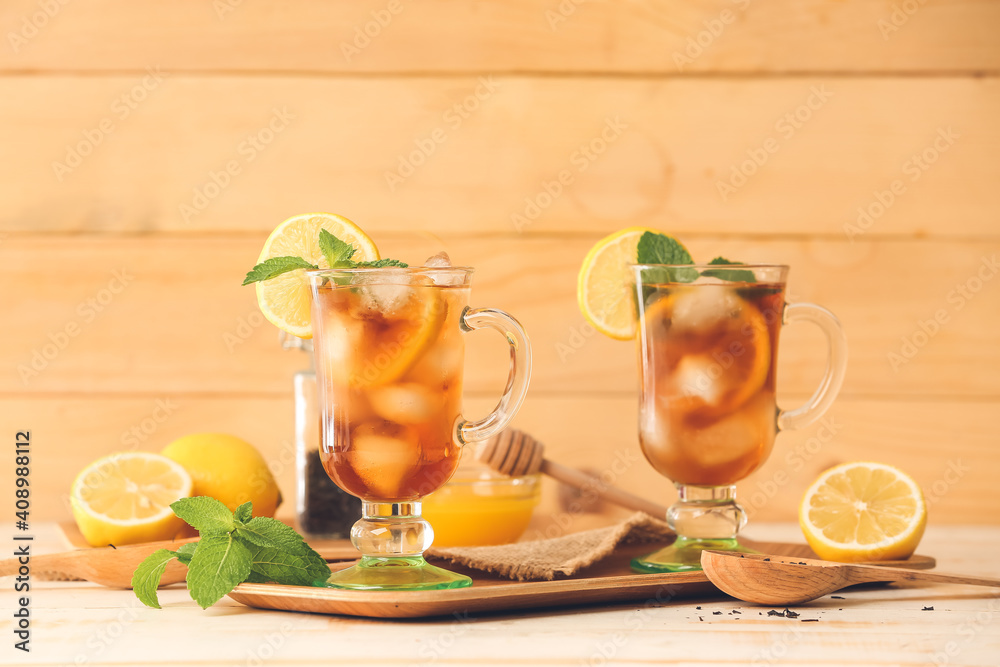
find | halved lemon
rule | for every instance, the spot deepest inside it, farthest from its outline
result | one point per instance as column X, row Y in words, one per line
column 125, row 498
column 863, row 511
column 602, row 288
column 285, row 300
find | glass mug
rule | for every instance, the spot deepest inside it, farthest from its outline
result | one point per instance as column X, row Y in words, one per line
column 708, row 340
column 390, row 351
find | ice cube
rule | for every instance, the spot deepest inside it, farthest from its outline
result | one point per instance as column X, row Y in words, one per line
column 438, row 260
column 383, row 455
column 381, row 294
column 700, row 376
column 739, row 441
column 700, row 307
column 403, row 403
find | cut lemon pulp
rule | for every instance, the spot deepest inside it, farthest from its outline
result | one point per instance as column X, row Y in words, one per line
column 602, row 288
column 125, row 498
column 863, row 511
column 285, row 300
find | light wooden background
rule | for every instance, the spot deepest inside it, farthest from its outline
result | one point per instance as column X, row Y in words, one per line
column 130, row 307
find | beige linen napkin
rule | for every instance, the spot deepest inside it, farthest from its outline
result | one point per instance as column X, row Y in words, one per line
column 544, row 559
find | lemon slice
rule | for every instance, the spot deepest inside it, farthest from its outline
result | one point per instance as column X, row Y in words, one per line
column 285, row 300
column 602, row 289
column 863, row 511
column 370, row 343
column 712, row 387
column 125, row 498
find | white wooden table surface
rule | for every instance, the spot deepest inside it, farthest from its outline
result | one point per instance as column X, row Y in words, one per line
column 84, row 624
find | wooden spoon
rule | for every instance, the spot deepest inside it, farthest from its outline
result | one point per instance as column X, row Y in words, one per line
column 113, row 567
column 515, row 453
column 785, row 580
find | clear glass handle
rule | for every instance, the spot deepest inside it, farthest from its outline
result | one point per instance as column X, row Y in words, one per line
column 836, row 365
column 517, row 380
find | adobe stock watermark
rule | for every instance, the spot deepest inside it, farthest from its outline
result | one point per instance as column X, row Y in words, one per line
column 365, row 32
column 589, row 494
column 246, row 152
column 608, row 647
column 957, row 298
column 121, row 108
column 786, row 127
column 141, row 431
column 223, row 7
column 434, row 648
column 564, row 10
column 766, row 489
column 580, row 160
column 105, row 636
column 269, row 646
column 86, row 312
column 899, row 17
column 914, row 167
column 713, row 29
column 245, row 328
column 578, row 337
column 32, row 24
column 966, row 631
column 408, row 163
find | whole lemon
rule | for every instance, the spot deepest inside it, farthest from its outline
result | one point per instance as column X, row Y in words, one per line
column 228, row 469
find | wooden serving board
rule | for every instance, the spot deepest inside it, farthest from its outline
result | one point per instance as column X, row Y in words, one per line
column 609, row 581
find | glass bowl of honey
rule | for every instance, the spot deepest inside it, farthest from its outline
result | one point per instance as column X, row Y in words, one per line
column 479, row 507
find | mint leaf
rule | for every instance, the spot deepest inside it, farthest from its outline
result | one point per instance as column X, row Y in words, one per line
column 275, row 266
column 338, row 253
column 186, row 551
column 733, row 275
column 656, row 248
column 146, row 578
column 205, row 514
column 253, row 537
column 660, row 249
column 285, row 568
column 243, row 512
column 220, row 563
column 279, row 535
column 256, row 578
column 381, row 263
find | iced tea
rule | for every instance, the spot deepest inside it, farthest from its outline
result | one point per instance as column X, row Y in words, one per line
column 707, row 404
column 393, row 356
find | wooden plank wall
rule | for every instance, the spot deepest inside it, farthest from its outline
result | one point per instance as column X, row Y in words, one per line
column 148, row 148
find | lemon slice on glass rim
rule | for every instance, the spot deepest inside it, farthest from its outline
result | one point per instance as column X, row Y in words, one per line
column 285, row 300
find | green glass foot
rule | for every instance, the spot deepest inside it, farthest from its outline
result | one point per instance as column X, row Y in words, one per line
column 410, row 573
column 684, row 555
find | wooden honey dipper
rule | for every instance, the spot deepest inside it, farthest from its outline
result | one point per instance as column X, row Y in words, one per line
column 515, row 453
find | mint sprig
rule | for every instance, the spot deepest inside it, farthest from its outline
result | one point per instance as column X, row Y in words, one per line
column 656, row 248
column 338, row 255
column 233, row 548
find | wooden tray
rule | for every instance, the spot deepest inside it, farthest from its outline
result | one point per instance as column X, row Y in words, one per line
column 607, row 582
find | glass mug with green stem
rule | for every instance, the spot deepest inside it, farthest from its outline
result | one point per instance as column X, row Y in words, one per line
column 708, row 342
column 390, row 353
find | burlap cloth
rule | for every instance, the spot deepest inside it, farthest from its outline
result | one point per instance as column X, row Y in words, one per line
column 544, row 559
